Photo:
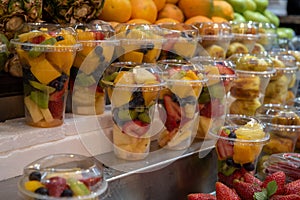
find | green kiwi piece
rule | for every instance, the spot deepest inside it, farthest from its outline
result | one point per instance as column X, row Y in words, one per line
column 40, row 98
column 34, row 52
column 44, row 88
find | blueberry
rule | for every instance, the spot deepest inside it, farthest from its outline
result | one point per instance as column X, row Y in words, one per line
column 232, row 134
column 59, row 38
column 249, row 166
column 229, row 162
column 99, row 51
column 35, row 175
column 67, row 193
column 59, row 82
column 42, row 191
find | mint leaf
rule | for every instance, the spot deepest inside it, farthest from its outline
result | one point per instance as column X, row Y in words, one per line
column 261, row 195
column 271, row 188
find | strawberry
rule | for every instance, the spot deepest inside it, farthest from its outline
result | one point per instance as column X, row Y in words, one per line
column 38, row 39
column 173, row 113
column 59, row 94
column 224, row 148
column 99, row 35
column 89, row 182
column 279, row 177
column 201, row 196
column 245, row 190
column 228, row 180
column 135, row 128
column 56, row 108
column 213, row 108
column 56, row 185
column 292, row 187
column 250, row 178
column 225, row 193
column 285, row 197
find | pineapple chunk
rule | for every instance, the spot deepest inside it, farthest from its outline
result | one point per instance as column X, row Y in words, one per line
column 46, row 114
column 33, row 109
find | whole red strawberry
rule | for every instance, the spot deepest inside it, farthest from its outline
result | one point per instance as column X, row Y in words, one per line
column 285, row 197
column 225, row 193
column 245, row 190
column 279, row 177
column 250, row 178
column 201, row 196
column 292, row 187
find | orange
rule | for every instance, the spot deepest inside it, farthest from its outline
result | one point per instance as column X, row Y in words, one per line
column 223, row 9
column 218, row 19
column 172, row 1
column 159, row 4
column 145, row 9
column 116, row 10
column 171, row 11
column 198, row 18
column 191, row 8
column 166, row 20
column 138, row 21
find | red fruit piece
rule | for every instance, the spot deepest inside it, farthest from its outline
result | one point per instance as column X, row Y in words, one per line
column 228, row 180
column 99, row 35
column 285, row 197
column 57, row 109
column 213, row 108
column 38, row 39
column 292, row 187
column 201, row 196
column 56, row 185
column 135, row 128
column 245, row 190
column 173, row 113
column 279, row 177
column 224, row 147
column 89, row 182
column 171, row 40
column 58, row 95
column 225, row 193
column 250, row 178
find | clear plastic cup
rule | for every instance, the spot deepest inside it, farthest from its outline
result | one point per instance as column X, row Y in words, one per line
column 238, row 148
column 87, row 94
column 133, row 90
column 180, row 41
column 139, row 43
column 267, row 35
column 63, row 176
column 215, row 38
column 46, row 53
column 178, row 103
column 213, row 100
column 248, row 89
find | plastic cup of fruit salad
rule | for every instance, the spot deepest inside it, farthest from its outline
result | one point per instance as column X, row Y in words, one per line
column 247, row 92
column 97, row 53
column 215, row 38
column 180, row 41
column 46, row 54
column 238, row 148
column 133, row 91
column 267, row 35
column 139, row 43
column 63, row 176
column 283, row 125
column 213, row 100
column 178, row 103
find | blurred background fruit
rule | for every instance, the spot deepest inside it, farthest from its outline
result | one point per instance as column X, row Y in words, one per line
column 111, row 7
column 192, row 8
column 171, row 11
column 145, row 9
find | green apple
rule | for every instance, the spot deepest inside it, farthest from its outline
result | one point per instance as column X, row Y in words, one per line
column 238, row 18
column 255, row 16
column 250, row 5
column 238, row 5
column 284, row 32
column 272, row 17
column 261, row 5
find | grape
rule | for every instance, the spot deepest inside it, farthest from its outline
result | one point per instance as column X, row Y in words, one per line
column 42, row 191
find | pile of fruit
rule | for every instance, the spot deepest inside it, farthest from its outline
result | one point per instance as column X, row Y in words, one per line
column 246, row 187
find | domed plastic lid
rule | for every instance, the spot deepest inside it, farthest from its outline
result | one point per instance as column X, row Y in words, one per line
column 211, row 30
column 63, row 176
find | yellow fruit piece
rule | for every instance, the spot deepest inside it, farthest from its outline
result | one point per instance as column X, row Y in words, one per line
column 251, row 131
column 85, row 35
column 61, row 60
column 46, row 114
column 124, row 77
column 185, row 48
column 33, row 185
column 90, row 63
column 192, row 75
column 245, row 152
column 33, row 109
column 69, row 39
column 150, row 94
column 152, row 55
column 79, row 58
column 133, row 56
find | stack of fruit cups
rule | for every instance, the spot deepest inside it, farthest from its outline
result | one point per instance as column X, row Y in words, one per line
column 277, row 91
column 238, row 147
column 178, row 103
column 46, row 53
column 63, row 176
column 245, row 35
column 133, row 91
column 267, row 38
column 248, row 89
column 180, row 41
column 283, row 124
column 89, row 64
column 215, row 38
column 213, row 98
column 139, row 43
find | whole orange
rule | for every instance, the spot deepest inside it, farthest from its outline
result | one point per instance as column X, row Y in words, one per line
column 145, row 9
column 171, row 11
column 138, row 21
column 166, row 21
column 116, row 10
column 159, row 4
column 172, row 1
column 198, row 18
column 192, row 8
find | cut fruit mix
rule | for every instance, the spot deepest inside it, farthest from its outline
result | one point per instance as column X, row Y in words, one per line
column 46, row 59
column 133, row 91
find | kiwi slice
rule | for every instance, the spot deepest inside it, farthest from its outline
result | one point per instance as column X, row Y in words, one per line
column 44, row 88
column 40, row 98
column 34, row 52
column 144, row 117
column 126, row 114
column 225, row 169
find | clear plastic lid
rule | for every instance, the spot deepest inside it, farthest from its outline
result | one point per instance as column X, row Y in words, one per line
column 58, row 174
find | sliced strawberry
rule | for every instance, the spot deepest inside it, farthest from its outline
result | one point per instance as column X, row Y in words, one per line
column 173, row 113
column 245, row 190
column 285, row 197
column 57, row 109
column 213, row 108
column 279, row 177
column 224, row 147
column 38, row 39
column 59, row 94
column 56, row 185
column 89, row 182
column 228, row 180
column 292, row 187
column 201, row 196
column 225, row 193
column 99, row 35
column 250, row 178
column 135, row 128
